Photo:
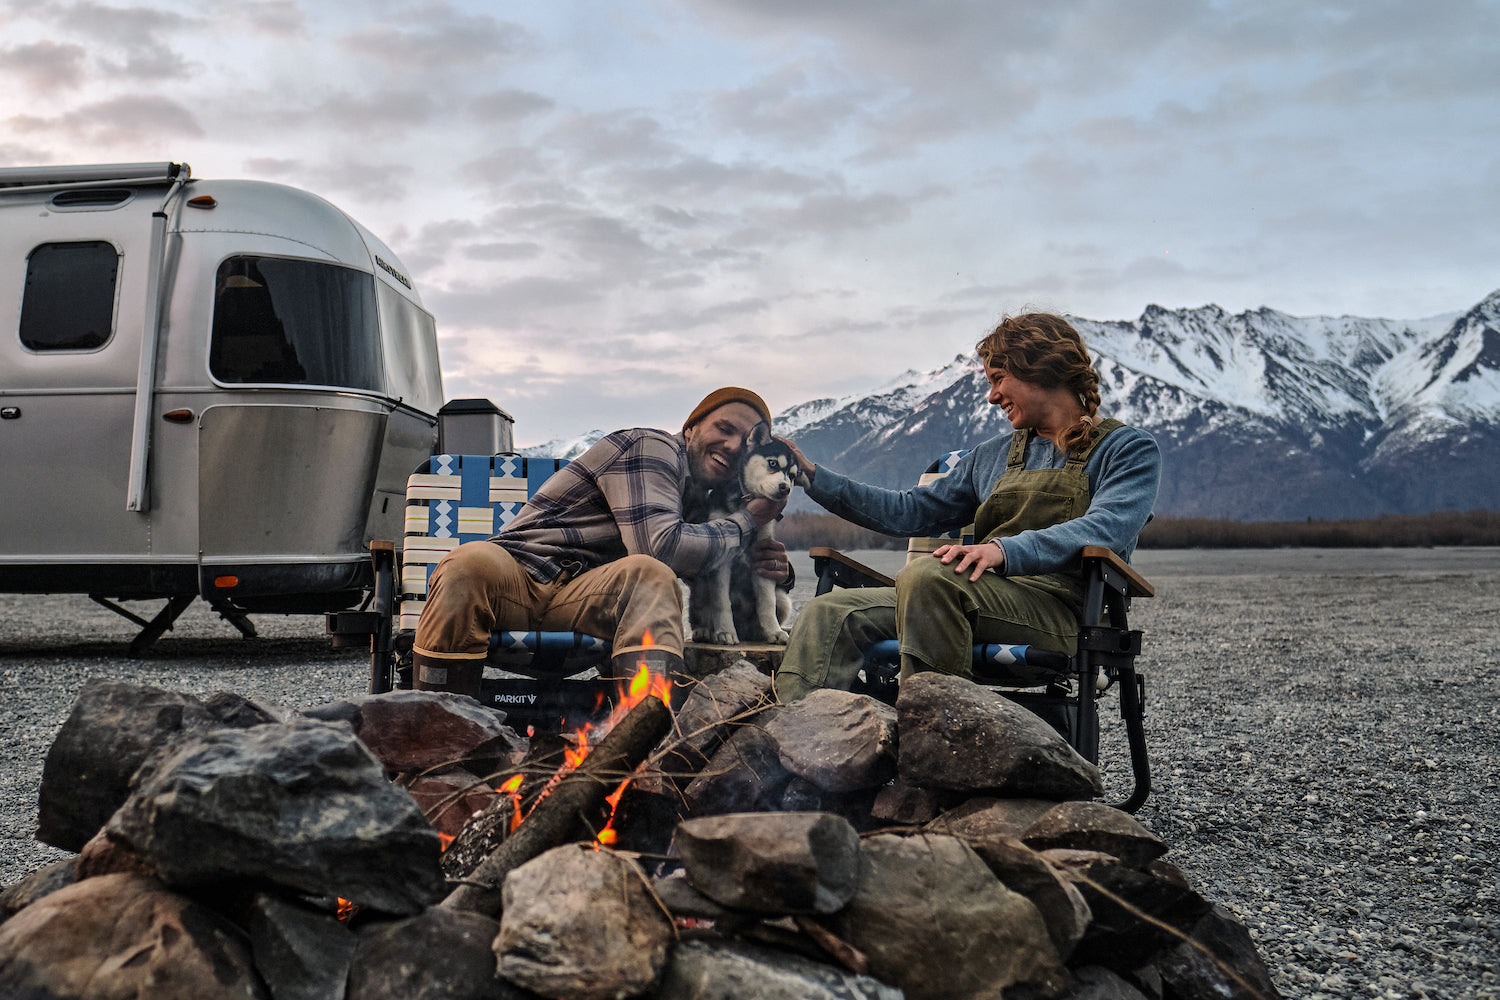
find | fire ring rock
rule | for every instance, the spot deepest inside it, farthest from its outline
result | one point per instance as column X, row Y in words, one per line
column 581, row 923
column 772, row 862
column 1093, row 826
column 959, row 736
column 111, row 730
column 935, row 923
column 120, row 936
column 302, row 804
column 837, row 740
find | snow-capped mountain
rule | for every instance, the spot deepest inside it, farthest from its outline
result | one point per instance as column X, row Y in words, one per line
column 1259, row 415
column 564, row 447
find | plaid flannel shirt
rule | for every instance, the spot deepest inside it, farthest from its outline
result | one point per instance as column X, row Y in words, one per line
column 623, row 496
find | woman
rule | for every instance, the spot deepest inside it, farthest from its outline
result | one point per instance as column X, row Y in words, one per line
column 1063, row 480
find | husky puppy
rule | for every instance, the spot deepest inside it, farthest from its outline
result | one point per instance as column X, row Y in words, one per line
column 731, row 602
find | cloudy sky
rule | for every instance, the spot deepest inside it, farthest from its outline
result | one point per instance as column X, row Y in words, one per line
column 611, row 208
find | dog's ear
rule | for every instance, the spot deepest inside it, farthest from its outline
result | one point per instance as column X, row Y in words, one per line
column 759, row 434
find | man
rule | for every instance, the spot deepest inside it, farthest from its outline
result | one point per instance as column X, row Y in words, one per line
column 599, row 547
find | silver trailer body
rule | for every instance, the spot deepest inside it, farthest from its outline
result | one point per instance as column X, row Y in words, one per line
column 207, row 388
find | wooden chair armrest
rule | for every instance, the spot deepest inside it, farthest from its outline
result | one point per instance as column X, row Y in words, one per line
column 834, row 569
column 1134, row 583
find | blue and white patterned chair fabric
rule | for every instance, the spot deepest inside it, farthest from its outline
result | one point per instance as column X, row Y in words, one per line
column 452, row 499
column 1060, row 688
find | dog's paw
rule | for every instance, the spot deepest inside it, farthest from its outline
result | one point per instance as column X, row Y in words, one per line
column 715, row 637
column 778, row 638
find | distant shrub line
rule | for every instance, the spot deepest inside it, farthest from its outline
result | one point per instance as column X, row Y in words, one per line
column 1451, row 527
column 1448, row 527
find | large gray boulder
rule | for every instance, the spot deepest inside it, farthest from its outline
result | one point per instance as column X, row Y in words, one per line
column 837, row 740
column 772, row 862
column 300, row 804
column 960, row 736
column 439, row 954
column 111, row 730
column 581, row 923
column 1093, row 826
column 933, row 921
column 122, row 937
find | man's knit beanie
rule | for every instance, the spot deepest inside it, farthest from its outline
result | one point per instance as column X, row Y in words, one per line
column 728, row 394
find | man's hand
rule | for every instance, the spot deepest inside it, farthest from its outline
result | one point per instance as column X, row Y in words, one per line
column 805, row 469
column 982, row 557
column 768, row 557
column 764, row 511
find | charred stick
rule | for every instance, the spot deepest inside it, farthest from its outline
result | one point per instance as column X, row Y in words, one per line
column 484, row 833
column 563, row 815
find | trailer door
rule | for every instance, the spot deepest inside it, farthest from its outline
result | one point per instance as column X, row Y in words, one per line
column 70, row 360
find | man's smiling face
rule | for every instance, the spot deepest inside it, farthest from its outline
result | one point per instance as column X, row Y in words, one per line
column 714, row 444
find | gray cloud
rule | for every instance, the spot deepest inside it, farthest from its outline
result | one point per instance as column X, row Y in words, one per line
column 509, row 105
column 615, row 138
column 269, row 166
column 118, row 119
column 282, row 19
column 45, row 65
column 367, row 111
column 132, row 40
column 503, row 251
column 828, row 214
column 789, row 106
column 15, row 154
column 433, row 37
column 367, row 181
column 512, row 298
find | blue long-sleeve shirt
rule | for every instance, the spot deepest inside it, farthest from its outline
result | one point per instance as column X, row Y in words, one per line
column 1124, row 473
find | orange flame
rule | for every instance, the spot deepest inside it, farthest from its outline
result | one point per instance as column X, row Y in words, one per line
column 512, row 787
column 643, row 685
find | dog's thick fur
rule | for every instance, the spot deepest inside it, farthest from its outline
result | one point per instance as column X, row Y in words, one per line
column 732, row 603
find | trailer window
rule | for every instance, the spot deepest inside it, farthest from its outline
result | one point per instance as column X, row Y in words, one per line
column 295, row 321
column 411, row 354
column 69, row 302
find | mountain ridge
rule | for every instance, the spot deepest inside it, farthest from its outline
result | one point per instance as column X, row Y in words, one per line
column 1260, row 415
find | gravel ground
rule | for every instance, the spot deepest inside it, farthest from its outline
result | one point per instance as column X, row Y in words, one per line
column 1322, row 726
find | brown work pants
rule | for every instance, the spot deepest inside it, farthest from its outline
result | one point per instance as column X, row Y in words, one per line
column 479, row 588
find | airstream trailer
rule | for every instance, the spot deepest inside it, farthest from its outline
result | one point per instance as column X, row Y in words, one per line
column 208, row 389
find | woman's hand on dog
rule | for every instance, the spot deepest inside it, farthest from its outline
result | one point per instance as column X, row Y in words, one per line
column 805, row 469
column 768, row 557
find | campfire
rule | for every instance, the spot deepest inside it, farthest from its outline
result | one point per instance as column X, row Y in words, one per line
column 411, row 845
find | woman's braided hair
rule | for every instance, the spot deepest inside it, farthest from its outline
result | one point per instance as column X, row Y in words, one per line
column 1044, row 349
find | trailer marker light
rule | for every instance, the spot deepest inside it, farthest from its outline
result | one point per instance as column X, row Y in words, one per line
column 202, row 201
column 225, row 582
column 178, row 416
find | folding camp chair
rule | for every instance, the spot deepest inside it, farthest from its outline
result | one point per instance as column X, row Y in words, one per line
column 452, row 499
column 1067, row 695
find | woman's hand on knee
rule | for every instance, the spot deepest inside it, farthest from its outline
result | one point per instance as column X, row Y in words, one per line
column 973, row 558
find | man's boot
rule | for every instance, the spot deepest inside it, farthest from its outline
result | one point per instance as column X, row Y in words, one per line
column 430, row 673
column 624, row 666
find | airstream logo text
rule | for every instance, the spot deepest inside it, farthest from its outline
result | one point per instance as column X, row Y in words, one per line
column 388, row 269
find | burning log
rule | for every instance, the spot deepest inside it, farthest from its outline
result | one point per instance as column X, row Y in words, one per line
column 519, row 789
column 564, row 813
